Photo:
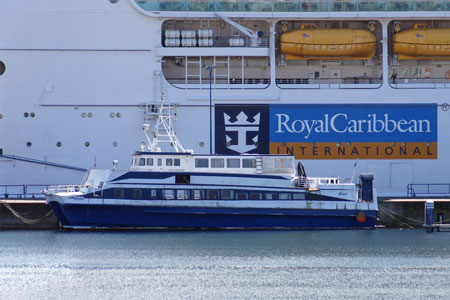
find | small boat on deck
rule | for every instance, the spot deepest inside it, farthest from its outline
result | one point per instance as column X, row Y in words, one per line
column 186, row 190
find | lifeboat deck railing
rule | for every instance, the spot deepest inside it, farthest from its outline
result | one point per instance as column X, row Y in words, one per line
column 294, row 5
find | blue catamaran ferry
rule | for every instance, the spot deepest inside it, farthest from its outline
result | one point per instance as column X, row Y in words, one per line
column 186, row 190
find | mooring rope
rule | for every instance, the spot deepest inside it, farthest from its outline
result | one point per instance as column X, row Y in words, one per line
column 392, row 215
column 22, row 218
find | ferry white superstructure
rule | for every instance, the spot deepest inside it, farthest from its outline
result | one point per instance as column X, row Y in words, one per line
column 79, row 77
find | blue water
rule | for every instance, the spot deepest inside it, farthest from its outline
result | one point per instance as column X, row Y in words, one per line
column 362, row 264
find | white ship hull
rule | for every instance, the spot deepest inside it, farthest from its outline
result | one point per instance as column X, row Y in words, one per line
column 78, row 73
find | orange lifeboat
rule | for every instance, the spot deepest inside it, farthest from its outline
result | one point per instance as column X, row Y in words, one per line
column 344, row 43
column 422, row 43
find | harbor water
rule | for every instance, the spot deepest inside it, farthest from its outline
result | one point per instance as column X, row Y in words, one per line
column 361, row 264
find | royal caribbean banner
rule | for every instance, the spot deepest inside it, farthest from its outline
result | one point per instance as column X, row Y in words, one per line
column 345, row 131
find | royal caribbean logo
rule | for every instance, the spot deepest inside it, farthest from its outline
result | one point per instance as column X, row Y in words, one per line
column 340, row 131
column 241, row 129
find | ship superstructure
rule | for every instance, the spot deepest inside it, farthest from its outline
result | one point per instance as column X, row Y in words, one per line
column 342, row 85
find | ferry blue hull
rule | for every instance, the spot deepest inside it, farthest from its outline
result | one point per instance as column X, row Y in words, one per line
column 113, row 216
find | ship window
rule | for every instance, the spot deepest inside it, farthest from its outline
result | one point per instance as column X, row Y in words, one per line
column 283, row 163
column 182, row 179
column 241, row 196
column 142, row 161
column 233, row 163
column 29, row 144
column 285, row 196
column 217, row 163
column 182, row 194
column 201, row 162
column 227, row 195
column 149, row 161
column 137, row 193
column 255, row 196
column 159, row 162
column 153, row 194
column 113, row 1
column 271, row 196
column 176, row 162
column 212, row 194
column 298, row 196
column 248, row 163
column 169, row 194
column 198, row 194
column 169, row 162
column 119, row 193
column 2, row 68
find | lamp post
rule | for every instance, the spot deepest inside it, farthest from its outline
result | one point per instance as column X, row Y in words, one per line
column 210, row 69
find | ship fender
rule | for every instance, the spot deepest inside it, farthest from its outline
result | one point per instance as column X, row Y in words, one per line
column 360, row 217
column 447, row 74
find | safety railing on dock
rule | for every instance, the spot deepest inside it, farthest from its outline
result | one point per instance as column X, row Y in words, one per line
column 428, row 189
column 23, row 191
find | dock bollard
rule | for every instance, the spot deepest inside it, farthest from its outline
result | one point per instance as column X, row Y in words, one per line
column 429, row 215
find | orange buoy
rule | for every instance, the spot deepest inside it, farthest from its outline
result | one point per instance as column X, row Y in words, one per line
column 447, row 74
column 360, row 217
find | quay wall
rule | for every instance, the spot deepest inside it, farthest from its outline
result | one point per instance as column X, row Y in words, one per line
column 409, row 213
column 26, row 214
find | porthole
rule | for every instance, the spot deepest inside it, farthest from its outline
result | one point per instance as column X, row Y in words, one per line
column 90, row 115
column 87, row 144
column 58, row 144
column 29, row 144
column 2, row 68
column 115, row 144
column 113, row 1
column 83, row 115
column 32, row 114
column 201, row 144
column 26, row 115
column 118, row 115
column 112, row 115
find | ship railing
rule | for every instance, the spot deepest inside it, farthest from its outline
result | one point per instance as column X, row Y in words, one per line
column 23, row 191
column 428, row 189
column 409, row 82
column 220, row 83
column 65, row 188
column 349, row 82
column 294, row 5
column 315, row 182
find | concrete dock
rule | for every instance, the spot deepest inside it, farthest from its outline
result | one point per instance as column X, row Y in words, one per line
column 26, row 214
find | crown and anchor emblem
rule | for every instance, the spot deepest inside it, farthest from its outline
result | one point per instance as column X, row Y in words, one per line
column 242, row 126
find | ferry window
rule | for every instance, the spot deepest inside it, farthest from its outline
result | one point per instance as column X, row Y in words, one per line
column 283, row 163
column 142, row 161
column 153, row 194
column 227, row 195
column 298, row 196
column 241, row 196
column 176, row 162
column 255, row 196
column 182, row 194
column 270, row 196
column 119, row 193
column 248, row 163
column 137, row 194
column 169, row 194
column 233, row 163
column 149, row 161
column 201, row 162
column 217, row 162
column 198, row 194
column 182, row 179
column 212, row 194
column 159, row 162
column 285, row 196
column 169, row 162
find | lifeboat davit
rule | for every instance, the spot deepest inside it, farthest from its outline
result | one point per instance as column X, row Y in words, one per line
column 345, row 43
column 422, row 43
